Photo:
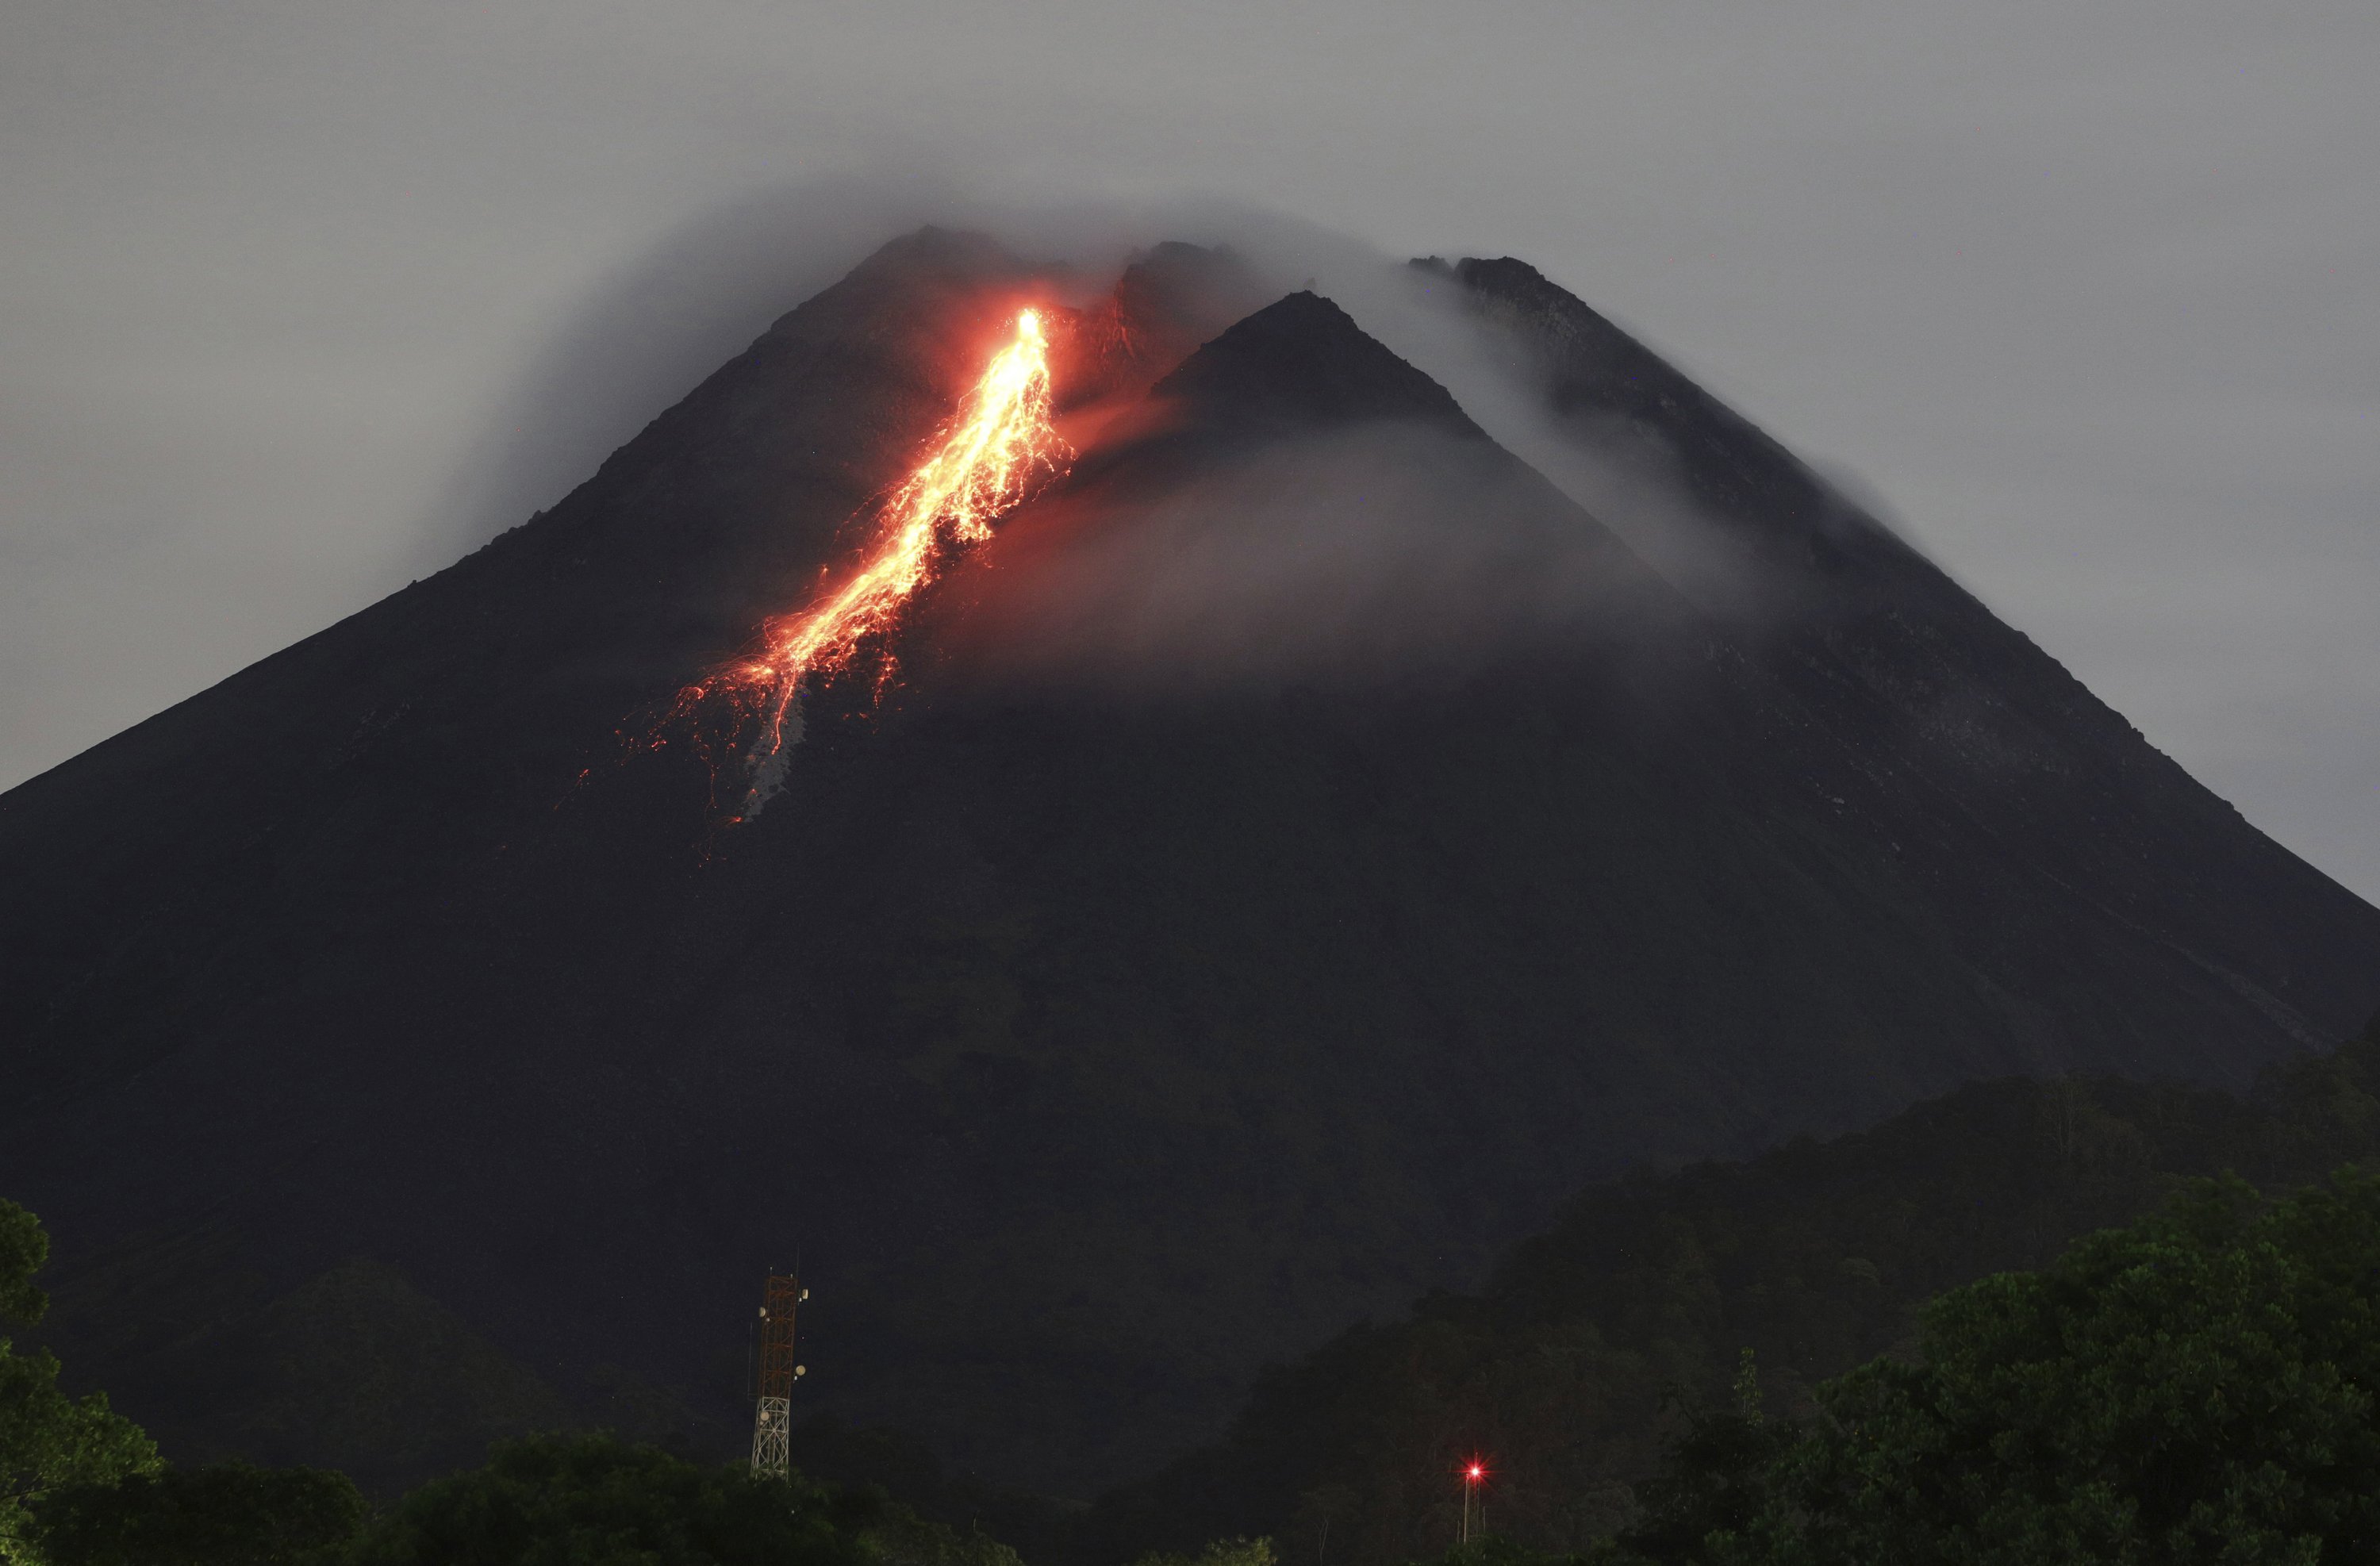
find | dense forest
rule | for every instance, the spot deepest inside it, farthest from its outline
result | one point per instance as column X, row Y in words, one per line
column 82, row 1486
column 2196, row 1387
column 2081, row 1319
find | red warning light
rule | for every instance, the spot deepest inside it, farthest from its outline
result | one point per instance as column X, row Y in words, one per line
column 1473, row 1473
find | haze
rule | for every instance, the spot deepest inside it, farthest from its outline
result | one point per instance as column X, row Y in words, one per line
column 297, row 302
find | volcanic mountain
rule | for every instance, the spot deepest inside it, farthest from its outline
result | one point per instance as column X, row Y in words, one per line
column 1293, row 855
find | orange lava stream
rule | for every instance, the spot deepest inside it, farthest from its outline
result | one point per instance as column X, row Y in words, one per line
column 986, row 462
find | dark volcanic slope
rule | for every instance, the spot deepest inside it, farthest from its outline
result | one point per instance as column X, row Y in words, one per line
column 1963, row 725
column 1300, row 852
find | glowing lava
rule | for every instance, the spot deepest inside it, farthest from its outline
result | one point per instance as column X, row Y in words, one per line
column 984, row 462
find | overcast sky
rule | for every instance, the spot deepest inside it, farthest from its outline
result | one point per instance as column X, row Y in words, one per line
column 2089, row 293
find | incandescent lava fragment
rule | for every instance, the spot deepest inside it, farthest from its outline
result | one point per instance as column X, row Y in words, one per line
column 985, row 461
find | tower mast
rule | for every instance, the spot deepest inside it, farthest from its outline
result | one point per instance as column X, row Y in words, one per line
column 772, row 1418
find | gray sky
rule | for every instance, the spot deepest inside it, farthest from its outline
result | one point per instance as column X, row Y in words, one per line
column 298, row 298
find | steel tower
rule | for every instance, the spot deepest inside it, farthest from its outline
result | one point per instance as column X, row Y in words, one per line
column 772, row 1418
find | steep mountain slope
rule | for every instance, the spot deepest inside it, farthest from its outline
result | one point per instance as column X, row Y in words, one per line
column 1298, row 850
column 1961, row 718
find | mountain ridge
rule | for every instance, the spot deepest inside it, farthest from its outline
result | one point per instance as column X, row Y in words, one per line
column 1094, row 1041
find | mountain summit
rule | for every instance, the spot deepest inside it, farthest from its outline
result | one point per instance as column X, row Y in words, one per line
column 1298, row 850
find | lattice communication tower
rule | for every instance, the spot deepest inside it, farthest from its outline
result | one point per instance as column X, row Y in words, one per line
column 772, row 1419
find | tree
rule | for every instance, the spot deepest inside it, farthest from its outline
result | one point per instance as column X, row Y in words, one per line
column 594, row 1501
column 226, row 1514
column 1720, row 1479
column 24, row 1250
column 2199, row 1387
column 47, row 1438
column 1219, row 1552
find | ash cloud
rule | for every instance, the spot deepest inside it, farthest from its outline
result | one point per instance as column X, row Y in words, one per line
column 703, row 293
column 1383, row 553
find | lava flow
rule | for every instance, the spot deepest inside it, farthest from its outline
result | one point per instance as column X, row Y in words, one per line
column 985, row 461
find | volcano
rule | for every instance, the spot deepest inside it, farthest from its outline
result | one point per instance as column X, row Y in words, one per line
column 1298, row 849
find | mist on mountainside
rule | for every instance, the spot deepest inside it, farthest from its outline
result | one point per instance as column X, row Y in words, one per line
column 700, row 292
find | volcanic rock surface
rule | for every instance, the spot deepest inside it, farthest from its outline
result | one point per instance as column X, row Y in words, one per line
column 1300, row 850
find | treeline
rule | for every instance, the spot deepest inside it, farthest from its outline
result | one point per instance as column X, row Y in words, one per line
column 2202, row 1386
column 2027, row 1322
column 82, row 1486
column 1595, row 1348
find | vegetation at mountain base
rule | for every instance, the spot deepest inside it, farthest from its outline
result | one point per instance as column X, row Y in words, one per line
column 1040, row 1527
column 2063, row 1321
column 1221, row 1553
column 81, row 1486
column 565, row 1500
column 47, row 1439
column 1598, row 1345
column 577, row 1499
column 221, row 1514
column 2204, row 1385
column 221, row 1354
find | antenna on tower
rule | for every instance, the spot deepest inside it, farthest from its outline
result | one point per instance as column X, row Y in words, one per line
column 772, row 1415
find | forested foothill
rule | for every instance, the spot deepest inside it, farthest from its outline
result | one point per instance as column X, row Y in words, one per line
column 1596, row 1347
column 2074, row 1320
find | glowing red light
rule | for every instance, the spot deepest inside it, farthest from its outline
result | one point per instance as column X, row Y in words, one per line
column 1474, row 1472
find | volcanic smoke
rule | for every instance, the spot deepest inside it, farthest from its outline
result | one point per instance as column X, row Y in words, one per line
column 985, row 461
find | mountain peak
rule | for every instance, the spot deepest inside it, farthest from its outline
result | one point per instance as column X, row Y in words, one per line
column 1594, row 372
column 942, row 249
column 1301, row 363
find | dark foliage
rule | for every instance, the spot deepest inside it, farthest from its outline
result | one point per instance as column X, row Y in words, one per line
column 2203, row 1386
column 82, row 1487
column 24, row 1251
column 1038, row 1527
column 594, row 1501
column 1495, row 1549
column 226, row 1514
column 48, row 1440
column 1715, row 1476
column 1618, row 1333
